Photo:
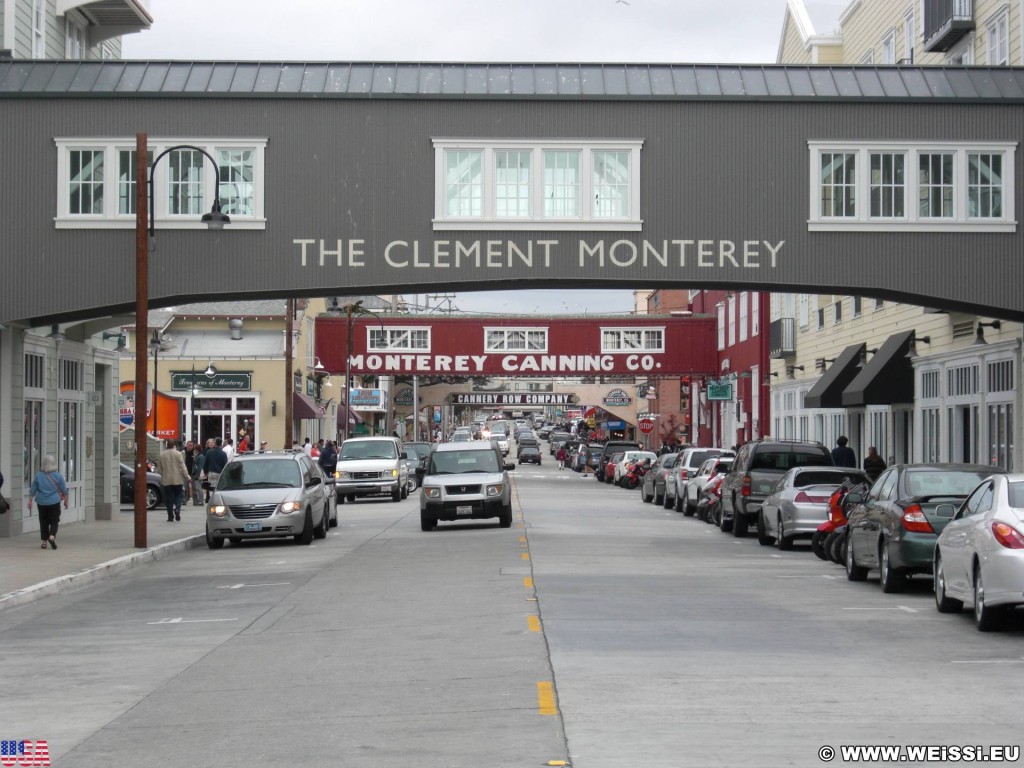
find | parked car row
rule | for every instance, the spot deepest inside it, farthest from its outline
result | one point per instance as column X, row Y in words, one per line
column 961, row 525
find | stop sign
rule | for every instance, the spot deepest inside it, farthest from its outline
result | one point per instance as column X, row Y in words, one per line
column 646, row 426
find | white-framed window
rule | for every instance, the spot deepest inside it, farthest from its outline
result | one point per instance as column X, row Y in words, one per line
column 632, row 340
column 837, row 312
column 515, row 339
column 755, row 317
column 963, row 54
column 804, row 304
column 909, row 36
column 731, row 311
column 868, row 58
column 998, row 34
column 744, row 314
column 868, row 186
column 721, row 326
column 879, row 304
column 38, row 29
column 96, row 179
column 889, row 47
column 396, row 339
column 821, row 319
column 74, row 39
column 856, row 309
column 537, row 185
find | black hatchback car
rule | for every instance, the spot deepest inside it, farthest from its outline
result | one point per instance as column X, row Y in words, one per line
column 529, row 454
column 154, row 491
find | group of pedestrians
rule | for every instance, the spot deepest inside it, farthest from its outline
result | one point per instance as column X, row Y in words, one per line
column 843, row 456
column 189, row 472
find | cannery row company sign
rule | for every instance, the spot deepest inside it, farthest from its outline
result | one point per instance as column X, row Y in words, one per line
column 500, row 398
column 524, row 346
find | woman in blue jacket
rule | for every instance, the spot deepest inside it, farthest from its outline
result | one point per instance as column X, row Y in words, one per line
column 51, row 489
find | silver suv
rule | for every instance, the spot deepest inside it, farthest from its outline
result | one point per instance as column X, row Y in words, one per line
column 465, row 481
column 270, row 495
column 371, row 466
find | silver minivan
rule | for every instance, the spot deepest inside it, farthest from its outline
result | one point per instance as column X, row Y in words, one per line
column 270, row 495
column 465, row 481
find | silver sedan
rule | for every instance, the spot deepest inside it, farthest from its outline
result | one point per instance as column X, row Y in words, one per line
column 979, row 556
column 799, row 503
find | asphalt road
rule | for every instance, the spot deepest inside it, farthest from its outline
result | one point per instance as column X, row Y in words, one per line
column 599, row 630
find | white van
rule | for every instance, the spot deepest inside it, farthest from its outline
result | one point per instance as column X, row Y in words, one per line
column 371, row 466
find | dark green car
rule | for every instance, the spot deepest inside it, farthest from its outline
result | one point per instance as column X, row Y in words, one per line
column 895, row 526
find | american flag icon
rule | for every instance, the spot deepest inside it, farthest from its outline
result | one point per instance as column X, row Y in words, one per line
column 22, row 752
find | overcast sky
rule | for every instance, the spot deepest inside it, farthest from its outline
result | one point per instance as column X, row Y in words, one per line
column 678, row 31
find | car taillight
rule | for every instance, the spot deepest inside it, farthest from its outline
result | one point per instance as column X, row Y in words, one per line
column 1007, row 535
column 914, row 520
column 745, row 486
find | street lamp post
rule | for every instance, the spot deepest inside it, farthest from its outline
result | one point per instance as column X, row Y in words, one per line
column 144, row 229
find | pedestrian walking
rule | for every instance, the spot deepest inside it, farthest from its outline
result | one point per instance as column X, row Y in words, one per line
column 196, row 475
column 173, row 478
column 842, row 454
column 874, row 465
column 560, row 455
column 52, row 491
column 216, row 460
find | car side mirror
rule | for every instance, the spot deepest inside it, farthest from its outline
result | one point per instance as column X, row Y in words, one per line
column 854, row 498
column 946, row 511
column 313, row 482
column 510, row 467
column 421, row 471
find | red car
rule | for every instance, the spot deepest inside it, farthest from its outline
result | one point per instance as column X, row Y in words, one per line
column 609, row 468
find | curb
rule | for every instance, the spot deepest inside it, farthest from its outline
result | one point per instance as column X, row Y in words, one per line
column 97, row 572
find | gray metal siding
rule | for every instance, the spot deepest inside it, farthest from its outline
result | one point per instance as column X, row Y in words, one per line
column 365, row 169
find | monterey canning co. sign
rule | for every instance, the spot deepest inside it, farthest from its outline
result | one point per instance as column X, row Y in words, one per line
column 526, row 346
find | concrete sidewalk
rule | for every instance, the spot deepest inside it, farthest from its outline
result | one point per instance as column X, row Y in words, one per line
column 90, row 551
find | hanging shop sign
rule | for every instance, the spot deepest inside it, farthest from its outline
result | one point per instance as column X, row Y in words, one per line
column 221, row 381
column 617, row 398
column 720, row 390
column 362, row 399
column 403, row 396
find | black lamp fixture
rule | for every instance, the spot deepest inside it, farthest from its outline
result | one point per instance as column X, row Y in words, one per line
column 768, row 378
column 122, row 340
column 790, row 369
column 55, row 333
column 822, row 363
column 979, row 336
column 912, row 352
column 864, row 356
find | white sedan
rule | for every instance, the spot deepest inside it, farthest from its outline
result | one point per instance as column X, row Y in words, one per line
column 628, row 458
column 799, row 503
column 979, row 556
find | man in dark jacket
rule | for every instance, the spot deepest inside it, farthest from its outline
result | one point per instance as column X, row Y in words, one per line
column 328, row 458
column 842, row 454
column 216, row 460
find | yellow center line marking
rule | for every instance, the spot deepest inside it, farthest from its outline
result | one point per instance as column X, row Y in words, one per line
column 533, row 621
column 528, row 582
column 525, row 555
column 522, row 539
column 546, row 699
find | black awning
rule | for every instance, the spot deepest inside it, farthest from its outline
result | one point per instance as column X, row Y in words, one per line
column 303, row 407
column 887, row 378
column 828, row 391
column 353, row 417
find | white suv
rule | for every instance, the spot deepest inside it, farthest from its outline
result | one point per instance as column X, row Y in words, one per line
column 371, row 466
column 465, row 481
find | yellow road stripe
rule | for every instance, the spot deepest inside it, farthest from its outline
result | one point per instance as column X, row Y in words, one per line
column 528, row 582
column 533, row 622
column 522, row 539
column 525, row 555
column 546, row 699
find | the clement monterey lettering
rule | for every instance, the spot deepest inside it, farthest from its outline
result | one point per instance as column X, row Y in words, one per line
column 506, row 254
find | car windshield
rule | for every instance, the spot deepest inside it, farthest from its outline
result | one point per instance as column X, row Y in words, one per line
column 459, row 462
column 422, row 450
column 941, row 483
column 352, row 450
column 825, row 477
column 271, row 473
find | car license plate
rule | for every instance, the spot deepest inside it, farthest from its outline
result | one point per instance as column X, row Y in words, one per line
column 252, row 527
column 460, row 511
